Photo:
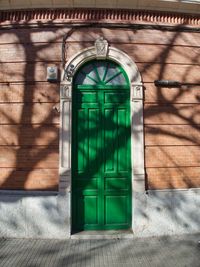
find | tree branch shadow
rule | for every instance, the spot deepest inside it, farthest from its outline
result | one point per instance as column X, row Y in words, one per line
column 180, row 111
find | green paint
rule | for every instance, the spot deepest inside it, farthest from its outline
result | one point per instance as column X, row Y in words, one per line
column 101, row 154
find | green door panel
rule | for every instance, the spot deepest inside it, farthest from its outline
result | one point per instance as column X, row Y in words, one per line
column 101, row 153
column 116, row 210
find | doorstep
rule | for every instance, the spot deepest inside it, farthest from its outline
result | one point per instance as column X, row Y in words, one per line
column 108, row 234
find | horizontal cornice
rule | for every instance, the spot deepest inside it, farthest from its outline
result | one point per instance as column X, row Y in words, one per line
column 97, row 16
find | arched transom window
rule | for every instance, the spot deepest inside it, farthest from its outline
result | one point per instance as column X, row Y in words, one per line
column 101, row 73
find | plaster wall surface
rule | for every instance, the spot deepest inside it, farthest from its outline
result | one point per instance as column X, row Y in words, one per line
column 47, row 215
column 166, row 212
column 34, row 215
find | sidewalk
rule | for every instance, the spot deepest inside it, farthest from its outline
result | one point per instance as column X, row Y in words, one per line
column 183, row 251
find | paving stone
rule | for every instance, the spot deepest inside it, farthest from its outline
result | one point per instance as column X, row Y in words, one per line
column 169, row 251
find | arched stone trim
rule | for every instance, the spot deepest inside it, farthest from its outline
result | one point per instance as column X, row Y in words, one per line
column 137, row 134
column 90, row 53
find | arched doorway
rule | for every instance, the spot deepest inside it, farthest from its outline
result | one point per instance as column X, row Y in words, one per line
column 72, row 67
column 101, row 147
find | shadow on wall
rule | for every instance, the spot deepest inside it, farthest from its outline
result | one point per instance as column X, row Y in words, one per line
column 30, row 125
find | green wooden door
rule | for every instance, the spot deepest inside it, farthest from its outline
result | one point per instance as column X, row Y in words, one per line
column 101, row 154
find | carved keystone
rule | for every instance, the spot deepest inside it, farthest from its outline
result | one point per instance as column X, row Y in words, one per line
column 101, row 48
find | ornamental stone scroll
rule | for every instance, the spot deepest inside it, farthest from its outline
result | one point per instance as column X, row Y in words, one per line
column 136, row 92
column 65, row 90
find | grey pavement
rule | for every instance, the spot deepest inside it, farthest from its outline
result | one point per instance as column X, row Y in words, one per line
column 163, row 251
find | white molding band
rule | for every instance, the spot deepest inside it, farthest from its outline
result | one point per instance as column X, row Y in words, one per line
column 137, row 133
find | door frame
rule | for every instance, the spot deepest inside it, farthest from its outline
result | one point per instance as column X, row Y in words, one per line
column 101, row 50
